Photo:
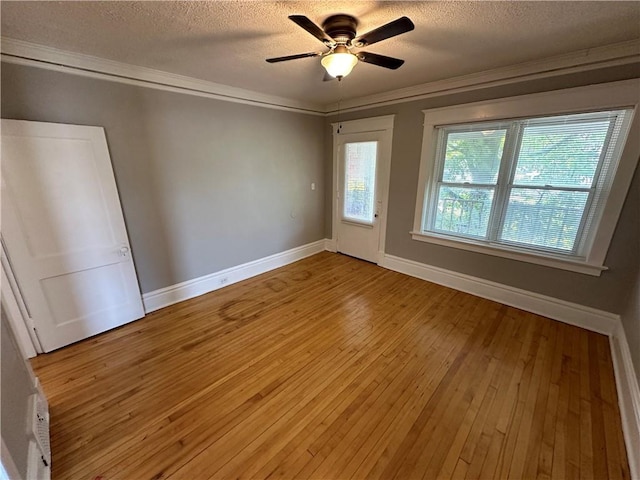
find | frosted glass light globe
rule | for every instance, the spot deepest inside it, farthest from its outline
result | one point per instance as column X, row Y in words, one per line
column 340, row 63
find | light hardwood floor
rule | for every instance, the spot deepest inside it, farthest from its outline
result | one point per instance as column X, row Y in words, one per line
column 333, row 368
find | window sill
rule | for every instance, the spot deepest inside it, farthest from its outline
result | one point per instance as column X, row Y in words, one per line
column 548, row 260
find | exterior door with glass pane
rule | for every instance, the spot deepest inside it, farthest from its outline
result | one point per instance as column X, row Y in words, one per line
column 359, row 199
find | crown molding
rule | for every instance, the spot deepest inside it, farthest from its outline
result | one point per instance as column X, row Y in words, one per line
column 580, row 61
column 27, row 53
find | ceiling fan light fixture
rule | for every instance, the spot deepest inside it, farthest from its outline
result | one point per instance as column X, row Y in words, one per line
column 339, row 63
column 338, row 33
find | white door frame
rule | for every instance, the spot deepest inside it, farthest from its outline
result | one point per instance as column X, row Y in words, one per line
column 384, row 125
column 16, row 311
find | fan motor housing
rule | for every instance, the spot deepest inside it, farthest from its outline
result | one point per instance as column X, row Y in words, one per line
column 340, row 27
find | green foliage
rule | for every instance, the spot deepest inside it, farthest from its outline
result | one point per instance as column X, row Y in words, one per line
column 561, row 155
column 550, row 154
column 473, row 157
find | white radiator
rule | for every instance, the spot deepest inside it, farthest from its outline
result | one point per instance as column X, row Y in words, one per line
column 39, row 466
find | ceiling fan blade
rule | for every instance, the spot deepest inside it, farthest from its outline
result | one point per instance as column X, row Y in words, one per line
column 312, row 28
column 391, row 29
column 380, row 60
column 293, row 57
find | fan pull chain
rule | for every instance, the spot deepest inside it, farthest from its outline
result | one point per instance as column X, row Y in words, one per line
column 339, row 106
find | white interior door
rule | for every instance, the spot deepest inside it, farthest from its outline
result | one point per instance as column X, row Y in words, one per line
column 64, row 232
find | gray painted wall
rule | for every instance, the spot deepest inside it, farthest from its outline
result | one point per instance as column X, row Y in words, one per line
column 607, row 292
column 15, row 388
column 631, row 322
column 204, row 184
column 631, row 315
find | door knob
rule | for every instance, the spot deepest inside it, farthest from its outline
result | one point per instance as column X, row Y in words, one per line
column 124, row 251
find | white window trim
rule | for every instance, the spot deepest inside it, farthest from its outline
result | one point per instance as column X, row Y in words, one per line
column 624, row 94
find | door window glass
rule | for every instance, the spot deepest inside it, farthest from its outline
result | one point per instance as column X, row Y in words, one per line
column 360, row 181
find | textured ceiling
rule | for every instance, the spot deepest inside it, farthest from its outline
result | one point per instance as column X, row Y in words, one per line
column 227, row 42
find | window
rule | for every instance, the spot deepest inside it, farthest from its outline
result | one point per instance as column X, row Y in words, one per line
column 535, row 193
column 360, row 181
column 529, row 187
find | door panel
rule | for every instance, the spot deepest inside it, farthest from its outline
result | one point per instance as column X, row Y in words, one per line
column 64, row 231
column 95, row 289
column 51, row 218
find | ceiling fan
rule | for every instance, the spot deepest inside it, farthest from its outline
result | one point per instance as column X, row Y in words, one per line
column 338, row 33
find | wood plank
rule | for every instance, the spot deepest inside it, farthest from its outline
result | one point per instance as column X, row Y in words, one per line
column 545, row 458
column 540, row 409
column 572, row 446
column 511, row 418
column 335, row 368
column 559, row 459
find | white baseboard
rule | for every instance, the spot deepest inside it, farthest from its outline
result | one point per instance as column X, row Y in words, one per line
column 330, row 245
column 574, row 314
column 628, row 397
column 199, row 286
column 567, row 312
